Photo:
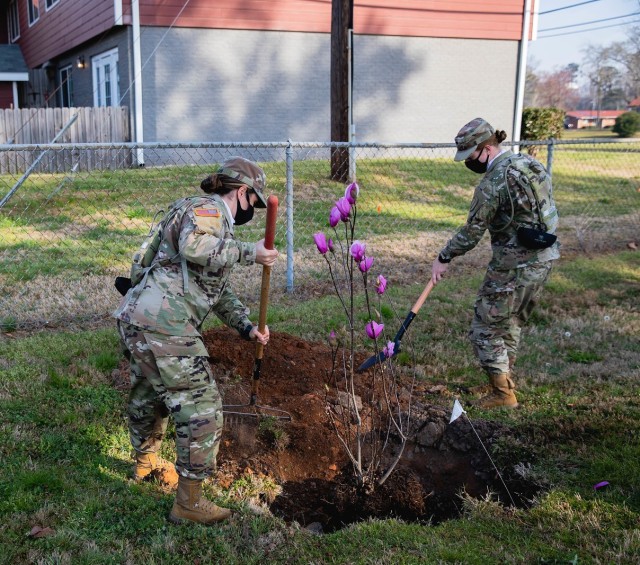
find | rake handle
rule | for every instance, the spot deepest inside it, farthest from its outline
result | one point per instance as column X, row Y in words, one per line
column 269, row 238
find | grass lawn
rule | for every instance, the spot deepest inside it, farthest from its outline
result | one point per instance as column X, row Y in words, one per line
column 66, row 464
column 591, row 133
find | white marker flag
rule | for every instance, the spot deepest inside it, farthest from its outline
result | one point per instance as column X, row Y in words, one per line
column 457, row 411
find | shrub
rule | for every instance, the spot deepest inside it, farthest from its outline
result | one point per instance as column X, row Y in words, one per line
column 541, row 123
column 627, row 124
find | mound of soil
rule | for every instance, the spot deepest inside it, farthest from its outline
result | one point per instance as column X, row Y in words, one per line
column 305, row 456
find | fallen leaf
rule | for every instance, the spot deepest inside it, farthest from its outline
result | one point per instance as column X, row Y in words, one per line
column 632, row 245
column 38, row 532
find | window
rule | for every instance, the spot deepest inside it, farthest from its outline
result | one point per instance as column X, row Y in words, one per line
column 33, row 8
column 106, row 87
column 66, row 87
column 51, row 3
column 14, row 21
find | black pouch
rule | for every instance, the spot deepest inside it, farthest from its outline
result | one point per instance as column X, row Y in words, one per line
column 123, row 284
column 532, row 238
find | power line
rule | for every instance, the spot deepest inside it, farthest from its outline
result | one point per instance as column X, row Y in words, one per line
column 589, row 23
column 591, row 29
column 567, row 7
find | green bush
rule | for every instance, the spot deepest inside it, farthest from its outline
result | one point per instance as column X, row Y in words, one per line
column 627, row 124
column 541, row 123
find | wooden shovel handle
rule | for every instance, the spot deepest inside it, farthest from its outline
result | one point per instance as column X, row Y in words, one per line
column 269, row 237
column 422, row 297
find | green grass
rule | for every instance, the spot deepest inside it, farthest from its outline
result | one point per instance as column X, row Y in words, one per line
column 57, row 225
column 591, row 133
column 65, row 451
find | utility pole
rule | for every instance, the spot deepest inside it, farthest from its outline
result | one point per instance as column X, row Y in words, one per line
column 341, row 26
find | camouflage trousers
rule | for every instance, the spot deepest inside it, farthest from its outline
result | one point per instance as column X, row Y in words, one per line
column 503, row 305
column 170, row 375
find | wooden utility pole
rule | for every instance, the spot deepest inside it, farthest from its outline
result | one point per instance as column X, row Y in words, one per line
column 341, row 24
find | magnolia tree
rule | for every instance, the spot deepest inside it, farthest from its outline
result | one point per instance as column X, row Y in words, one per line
column 372, row 426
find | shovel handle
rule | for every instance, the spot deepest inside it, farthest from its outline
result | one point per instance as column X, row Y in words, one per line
column 269, row 237
column 414, row 311
column 422, row 297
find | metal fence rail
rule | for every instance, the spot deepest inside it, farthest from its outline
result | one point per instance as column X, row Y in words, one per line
column 66, row 231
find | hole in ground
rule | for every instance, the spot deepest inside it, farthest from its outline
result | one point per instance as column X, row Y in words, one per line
column 440, row 462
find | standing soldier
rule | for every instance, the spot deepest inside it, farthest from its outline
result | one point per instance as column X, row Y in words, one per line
column 514, row 202
column 178, row 279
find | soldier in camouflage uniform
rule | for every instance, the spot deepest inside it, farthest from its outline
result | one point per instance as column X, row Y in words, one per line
column 160, row 318
column 514, row 202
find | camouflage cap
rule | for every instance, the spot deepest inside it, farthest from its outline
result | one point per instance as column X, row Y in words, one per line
column 470, row 136
column 247, row 172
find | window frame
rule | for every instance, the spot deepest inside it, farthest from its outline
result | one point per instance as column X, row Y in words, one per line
column 49, row 4
column 66, row 87
column 33, row 11
column 13, row 21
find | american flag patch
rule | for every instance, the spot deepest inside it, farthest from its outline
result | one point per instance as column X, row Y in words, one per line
column 207, row 212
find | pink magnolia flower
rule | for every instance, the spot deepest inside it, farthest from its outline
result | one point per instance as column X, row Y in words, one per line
column 389, row 349
column 357, row 250
column 333, row 340
column 321, row 242
column 352, row 192
column 374, row 329
column 381, row 284
column 365, row 264
column 330, row 245
column 344, row 207
column 334, row 217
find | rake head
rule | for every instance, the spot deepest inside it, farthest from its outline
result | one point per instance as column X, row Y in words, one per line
column 240, row 414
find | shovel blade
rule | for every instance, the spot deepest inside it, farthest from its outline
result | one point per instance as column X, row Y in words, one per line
column 379, row 358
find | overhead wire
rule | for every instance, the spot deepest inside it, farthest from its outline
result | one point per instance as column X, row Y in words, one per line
column 567, row 7
column 590, row 29
column 589, row 23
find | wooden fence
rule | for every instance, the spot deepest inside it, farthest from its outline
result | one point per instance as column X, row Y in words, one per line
column 36, row 126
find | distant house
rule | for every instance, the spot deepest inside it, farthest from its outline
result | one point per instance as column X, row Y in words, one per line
column 578, row 119
column 259, row 70
column 634, row 105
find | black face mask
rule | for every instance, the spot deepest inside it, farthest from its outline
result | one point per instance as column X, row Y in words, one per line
column 243, row 216
column 476, row 165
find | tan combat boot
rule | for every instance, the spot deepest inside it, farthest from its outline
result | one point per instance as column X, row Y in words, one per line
column 149, row 465
column 502, row 393
column 487, row 387
column 191, row 506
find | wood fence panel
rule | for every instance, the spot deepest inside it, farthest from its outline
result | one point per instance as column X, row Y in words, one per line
column 41, row 125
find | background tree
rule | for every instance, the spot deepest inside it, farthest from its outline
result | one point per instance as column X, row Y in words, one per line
column 558, row 89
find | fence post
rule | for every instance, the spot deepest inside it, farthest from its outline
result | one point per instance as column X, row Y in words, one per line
column 289, row 208
column 550, row 145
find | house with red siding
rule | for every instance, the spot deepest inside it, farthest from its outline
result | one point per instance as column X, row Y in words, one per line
column 578, row 119
column 259, row 70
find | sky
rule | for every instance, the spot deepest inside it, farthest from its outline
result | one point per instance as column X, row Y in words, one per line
column 554, row 49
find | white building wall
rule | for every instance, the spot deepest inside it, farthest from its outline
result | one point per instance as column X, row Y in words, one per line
column 234, row 85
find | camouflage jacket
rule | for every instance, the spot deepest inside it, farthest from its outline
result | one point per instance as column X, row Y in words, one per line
column 491, row 209
column 188, row 279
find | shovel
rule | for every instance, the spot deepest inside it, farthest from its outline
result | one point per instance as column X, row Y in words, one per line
column 252, row 411
column 397, row 340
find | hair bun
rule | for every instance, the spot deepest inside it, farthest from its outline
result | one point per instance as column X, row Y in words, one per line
column 501, row 135
column 210, row 184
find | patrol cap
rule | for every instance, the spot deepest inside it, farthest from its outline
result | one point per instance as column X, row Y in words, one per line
column 247, row 172
column 470, row 136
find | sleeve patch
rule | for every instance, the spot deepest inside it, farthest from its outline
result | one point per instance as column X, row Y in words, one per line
column 207, row 212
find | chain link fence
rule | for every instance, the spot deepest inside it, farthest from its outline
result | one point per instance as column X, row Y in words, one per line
column 71, row 216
